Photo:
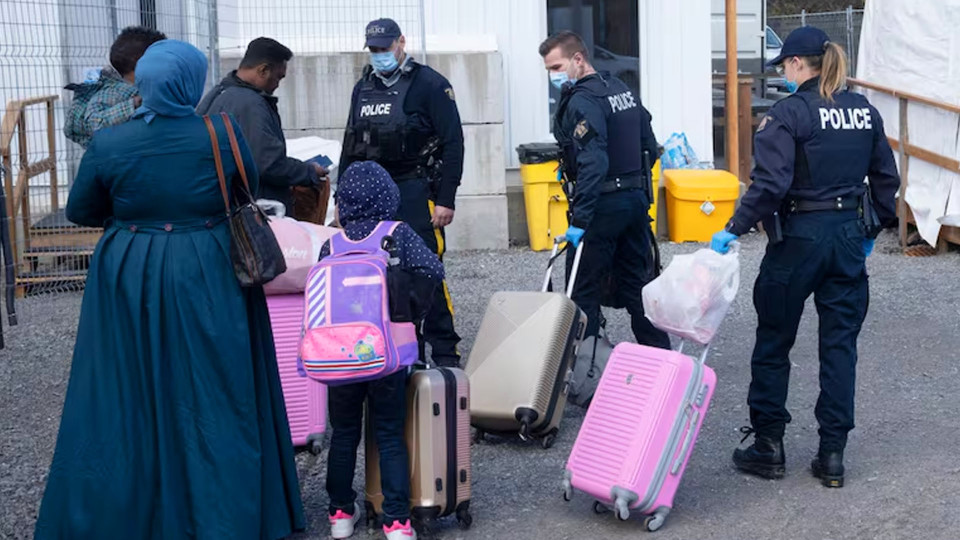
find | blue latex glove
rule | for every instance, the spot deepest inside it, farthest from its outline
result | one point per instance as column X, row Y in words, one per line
column 868, row 246
column 574, row 234
column 721, row 242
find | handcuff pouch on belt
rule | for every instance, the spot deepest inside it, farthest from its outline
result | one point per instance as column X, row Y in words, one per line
column 431, row 165
column 869, row 216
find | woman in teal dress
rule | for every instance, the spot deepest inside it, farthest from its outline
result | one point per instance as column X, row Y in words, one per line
column 174, row 423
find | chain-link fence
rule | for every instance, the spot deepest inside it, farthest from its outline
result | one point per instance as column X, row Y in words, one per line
column 48, row 44
column 843, row 27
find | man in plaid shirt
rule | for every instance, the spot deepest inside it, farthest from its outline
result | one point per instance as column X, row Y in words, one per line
column 112, row 98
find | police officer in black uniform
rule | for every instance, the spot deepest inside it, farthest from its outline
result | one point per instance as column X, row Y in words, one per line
column 603, row 131
column 403, row 116
column 813, row 151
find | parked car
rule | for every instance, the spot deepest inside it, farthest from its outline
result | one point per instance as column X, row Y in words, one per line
column 774, row 45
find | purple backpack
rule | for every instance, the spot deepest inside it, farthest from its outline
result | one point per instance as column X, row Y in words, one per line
column 347, row 334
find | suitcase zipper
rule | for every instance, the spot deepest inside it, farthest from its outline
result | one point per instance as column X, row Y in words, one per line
column 560, row 383
column 663, row 467
column 450, row 405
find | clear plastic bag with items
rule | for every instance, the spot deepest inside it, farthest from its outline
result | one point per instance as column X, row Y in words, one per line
column 692, row 295
column 678, row 154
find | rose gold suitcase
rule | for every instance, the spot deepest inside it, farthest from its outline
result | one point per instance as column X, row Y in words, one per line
column 438, row 441
column 522, row 360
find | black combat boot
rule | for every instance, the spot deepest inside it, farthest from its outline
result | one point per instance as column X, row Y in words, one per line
column 828, row 467
column 764, row 458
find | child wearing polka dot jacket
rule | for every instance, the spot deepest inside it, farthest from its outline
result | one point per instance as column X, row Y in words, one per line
column 367, row 195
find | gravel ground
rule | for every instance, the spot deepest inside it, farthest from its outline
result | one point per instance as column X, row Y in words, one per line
column 902, row 480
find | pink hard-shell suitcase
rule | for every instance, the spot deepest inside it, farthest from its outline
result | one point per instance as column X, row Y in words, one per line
column 640, row 430
column 306, row 399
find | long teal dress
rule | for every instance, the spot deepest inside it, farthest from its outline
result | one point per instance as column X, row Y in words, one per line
column 174, row 423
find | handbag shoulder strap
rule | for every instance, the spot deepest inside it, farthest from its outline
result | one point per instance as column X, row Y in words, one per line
column 218, row 162
column 236, row 150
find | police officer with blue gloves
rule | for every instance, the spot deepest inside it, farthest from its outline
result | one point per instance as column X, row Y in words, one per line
column 603, row 131
column 404, row 116
column 813, row 151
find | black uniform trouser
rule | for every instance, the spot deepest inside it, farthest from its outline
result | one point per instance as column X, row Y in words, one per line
column 821, row 254
column 416, row 209
column 618, row 241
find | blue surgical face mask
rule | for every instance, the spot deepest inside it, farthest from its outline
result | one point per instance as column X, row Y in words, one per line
column 559, row 78
column 792, row 86
column 383, row 62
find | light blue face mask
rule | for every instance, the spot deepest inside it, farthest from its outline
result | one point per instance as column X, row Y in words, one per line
column 383, row 62
column 792, row 86
column 559, row 78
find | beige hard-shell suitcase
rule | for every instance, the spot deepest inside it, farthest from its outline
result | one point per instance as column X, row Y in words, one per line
column 522, row 360
column 438, row 442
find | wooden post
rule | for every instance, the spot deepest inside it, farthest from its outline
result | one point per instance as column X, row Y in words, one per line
column 24, row 178
column 904, row 169
column 52, row 146
column 745, row 105
column 733, row 135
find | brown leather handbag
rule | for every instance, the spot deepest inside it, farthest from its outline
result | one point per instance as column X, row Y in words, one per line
column 254, row 250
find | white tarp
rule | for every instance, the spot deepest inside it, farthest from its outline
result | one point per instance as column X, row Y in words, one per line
column 913, row 46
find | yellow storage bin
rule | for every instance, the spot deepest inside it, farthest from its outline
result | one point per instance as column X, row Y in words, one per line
column 699, row 202
column 656, row 194
column 546, row 204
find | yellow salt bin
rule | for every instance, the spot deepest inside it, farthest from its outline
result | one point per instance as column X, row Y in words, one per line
column 700, row 202
column 546, row 204
column 656, row 172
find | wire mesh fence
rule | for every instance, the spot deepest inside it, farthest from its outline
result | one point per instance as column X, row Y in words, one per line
column 843, row 27
column 45, row 45
column 48, row 44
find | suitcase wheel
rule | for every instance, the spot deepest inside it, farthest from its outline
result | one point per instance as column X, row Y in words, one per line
column 623, row 512
column 654, row 522
column 464, row 518
column 567, row 489
column 549, row 439
column 600, row 508
column 316, row 446
column 371, row 515
column 478, row 435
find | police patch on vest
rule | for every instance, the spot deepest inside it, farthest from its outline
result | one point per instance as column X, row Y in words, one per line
column 582, row 129
column 450, row 95
column 376, row 109
column 622, row 101
column 846, row 118
column 764, row 122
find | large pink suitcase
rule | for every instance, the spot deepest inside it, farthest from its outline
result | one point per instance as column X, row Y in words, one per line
column 306, row 399
column 640, row 430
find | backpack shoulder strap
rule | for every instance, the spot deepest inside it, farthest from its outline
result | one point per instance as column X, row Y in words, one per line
column 339, row 243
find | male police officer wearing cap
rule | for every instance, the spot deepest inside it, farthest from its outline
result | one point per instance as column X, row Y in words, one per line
column 813, row 151
column 404, row 117
column 603, row 130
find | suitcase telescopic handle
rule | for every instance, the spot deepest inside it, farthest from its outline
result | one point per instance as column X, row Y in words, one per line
column 573, row 271
column 703, row 355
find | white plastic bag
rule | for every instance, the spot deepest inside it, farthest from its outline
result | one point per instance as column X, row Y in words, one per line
column 691, row 297
column 301, row 243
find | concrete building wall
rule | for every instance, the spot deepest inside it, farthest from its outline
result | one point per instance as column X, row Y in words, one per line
column 314, row 100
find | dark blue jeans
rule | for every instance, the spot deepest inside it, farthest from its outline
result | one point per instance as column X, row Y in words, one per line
column 821, row 254
column 387, row 402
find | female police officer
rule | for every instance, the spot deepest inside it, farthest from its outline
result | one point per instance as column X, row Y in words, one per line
column 813, row 151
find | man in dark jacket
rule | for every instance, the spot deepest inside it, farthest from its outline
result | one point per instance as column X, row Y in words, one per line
column 247, row 94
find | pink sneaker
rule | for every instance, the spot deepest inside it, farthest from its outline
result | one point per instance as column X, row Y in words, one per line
column 342, row 524
column 400, row 531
